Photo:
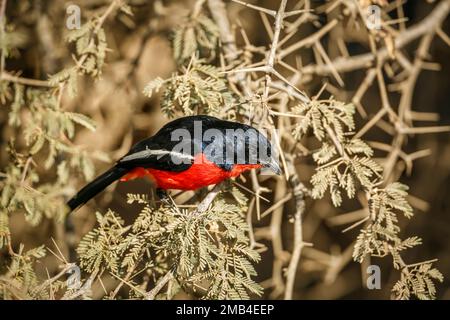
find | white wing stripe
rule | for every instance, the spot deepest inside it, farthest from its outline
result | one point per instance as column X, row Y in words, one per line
column 159, row 153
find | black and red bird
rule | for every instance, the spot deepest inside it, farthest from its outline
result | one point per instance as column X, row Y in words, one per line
column 186, row 154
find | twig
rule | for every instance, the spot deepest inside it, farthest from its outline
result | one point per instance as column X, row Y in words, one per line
column 206, row 202
column 274, row 46
column 25, row 81
column 308, row 41
column 258, row 8
column 25, row 169
column 431, row 22
column 280, row 255
column 2, row 33
column 101, row 20
column 122, row 282
column 49, row 281
column 151, row 295
column 299, row 196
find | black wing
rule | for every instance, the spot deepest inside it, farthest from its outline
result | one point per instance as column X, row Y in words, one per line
column 169, row 149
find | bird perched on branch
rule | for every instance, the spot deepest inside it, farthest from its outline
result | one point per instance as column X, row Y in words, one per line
column 186, row 154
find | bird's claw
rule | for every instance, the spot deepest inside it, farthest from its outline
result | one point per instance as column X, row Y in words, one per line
column 165, row 199
column 166, row 202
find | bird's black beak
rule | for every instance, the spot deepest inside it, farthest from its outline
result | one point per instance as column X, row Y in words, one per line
column 274, row 166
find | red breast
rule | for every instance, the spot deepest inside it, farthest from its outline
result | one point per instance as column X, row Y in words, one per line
column 200, row 174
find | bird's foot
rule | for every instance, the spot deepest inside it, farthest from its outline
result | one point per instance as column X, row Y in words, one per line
column 165, row 198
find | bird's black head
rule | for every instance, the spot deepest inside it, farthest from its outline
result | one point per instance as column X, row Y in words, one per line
column 247, row 145
column 268, row 154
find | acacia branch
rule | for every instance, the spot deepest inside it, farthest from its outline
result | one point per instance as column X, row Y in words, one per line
column 151, row 295
column 347, row 64
column 2, row 33
column 299, row 196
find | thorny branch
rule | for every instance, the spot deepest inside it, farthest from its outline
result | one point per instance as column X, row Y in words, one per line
column 299, row 191
column 151, row 295
column 363, row 61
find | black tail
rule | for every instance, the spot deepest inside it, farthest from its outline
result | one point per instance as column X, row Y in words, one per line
column 99, row 184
